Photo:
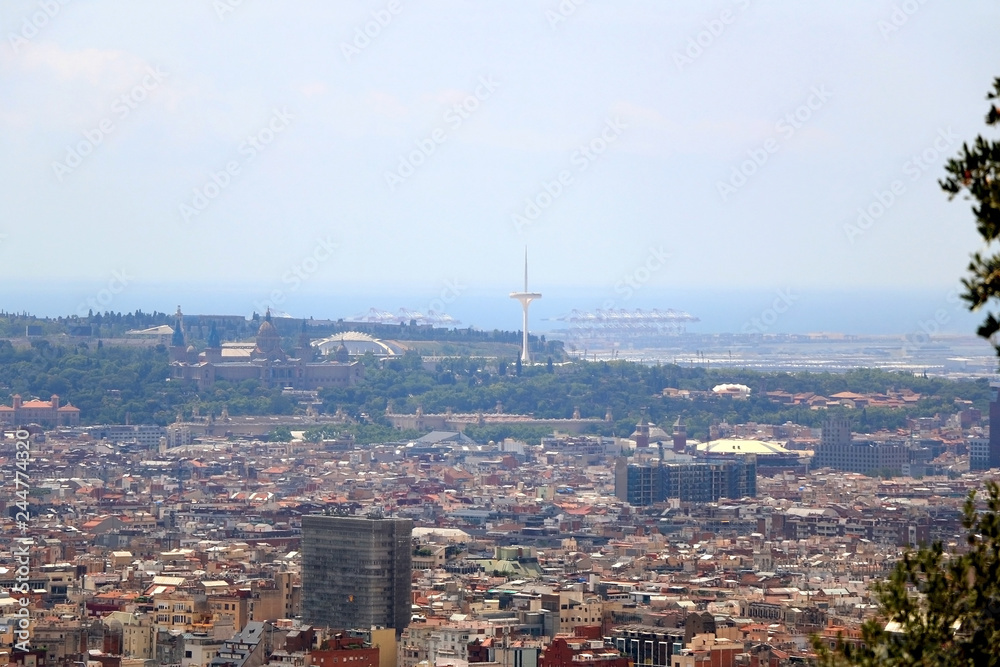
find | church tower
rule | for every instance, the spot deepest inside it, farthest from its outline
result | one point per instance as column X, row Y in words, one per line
column 641, row 433
column 680, row 436
column 178, row 350
column 304, row 351
column 213, row 347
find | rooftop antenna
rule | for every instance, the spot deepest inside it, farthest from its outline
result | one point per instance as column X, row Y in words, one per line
column 525, row 298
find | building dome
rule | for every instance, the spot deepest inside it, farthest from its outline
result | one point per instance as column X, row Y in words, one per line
column 268, row 338
column 266, row 329
column 738, row 446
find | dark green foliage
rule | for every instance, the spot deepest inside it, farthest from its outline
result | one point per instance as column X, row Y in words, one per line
column 243, row 398
column 281, row 434
column 470, row 386
column 947, row 605
column 109, row 382
column 108, row 324
column 976, row 171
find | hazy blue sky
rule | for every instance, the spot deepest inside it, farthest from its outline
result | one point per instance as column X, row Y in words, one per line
column 119, row 119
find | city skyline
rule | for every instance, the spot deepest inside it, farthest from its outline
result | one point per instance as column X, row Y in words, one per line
column 271, row 394
column 854, row 312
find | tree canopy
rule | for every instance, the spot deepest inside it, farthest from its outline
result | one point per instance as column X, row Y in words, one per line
column 937, row 608
column 976, row 172
column 943, row 608
column 113, row 383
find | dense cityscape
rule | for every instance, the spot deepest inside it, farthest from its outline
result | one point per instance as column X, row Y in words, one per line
column 322, row 533
column 542, row 333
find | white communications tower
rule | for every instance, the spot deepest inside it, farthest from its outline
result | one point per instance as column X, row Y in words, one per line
column 525, row 298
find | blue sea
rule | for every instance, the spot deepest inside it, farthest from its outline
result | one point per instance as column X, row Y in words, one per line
column 759, row 310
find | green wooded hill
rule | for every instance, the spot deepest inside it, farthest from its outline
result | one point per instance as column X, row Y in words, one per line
column 107, row 383
column 470, row 385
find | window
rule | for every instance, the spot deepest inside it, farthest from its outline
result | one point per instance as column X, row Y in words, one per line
column 187, row 654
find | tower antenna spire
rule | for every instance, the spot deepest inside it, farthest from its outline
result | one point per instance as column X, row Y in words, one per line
column 525, row 268
column 525, row 298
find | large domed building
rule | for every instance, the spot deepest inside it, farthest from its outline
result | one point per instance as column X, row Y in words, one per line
column 268, row 341
column 263, row 360
column 770, row 455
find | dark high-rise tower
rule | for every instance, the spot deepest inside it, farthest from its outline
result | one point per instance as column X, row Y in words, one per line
column 356, row 571
column 994, row 426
